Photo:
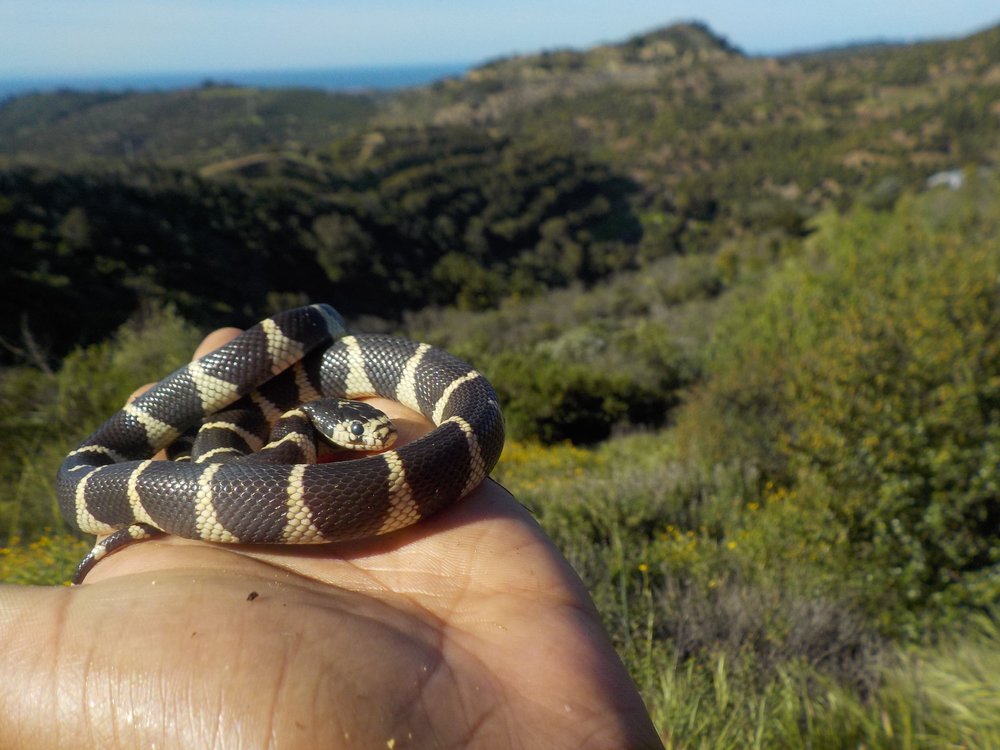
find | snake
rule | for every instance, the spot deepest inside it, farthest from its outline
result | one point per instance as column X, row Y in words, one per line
column 244, row 427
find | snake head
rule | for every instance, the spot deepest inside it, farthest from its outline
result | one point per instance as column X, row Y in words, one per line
column 353, row 425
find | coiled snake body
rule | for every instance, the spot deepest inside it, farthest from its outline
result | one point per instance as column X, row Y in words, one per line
column 110, row 485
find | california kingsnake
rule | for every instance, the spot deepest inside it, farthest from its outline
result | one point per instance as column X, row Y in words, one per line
column 110, row 485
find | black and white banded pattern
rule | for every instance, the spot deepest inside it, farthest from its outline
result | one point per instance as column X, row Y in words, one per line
column 219, row 490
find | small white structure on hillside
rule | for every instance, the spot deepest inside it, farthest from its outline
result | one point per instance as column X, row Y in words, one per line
column 952, row 179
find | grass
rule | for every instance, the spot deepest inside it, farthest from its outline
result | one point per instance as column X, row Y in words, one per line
column 732, row 643
column 927, row 699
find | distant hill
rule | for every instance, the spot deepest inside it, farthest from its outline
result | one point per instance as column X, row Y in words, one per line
column 662, row 101
column 705, row 129
column 221, row 122
column 686, row 41
column 189, row 126
column 678, row 110
column 527, row 174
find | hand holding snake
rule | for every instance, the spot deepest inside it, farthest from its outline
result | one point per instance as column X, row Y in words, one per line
column 466, row 630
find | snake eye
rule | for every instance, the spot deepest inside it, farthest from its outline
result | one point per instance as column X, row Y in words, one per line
column 357, row 429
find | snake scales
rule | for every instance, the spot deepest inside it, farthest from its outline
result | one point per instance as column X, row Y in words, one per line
column 222, row 491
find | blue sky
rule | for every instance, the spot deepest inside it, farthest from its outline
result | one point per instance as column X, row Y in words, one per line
column 87, row 37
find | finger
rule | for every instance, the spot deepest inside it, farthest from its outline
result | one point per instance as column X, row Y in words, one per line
column 161, row 455
column 210, row 343
column 216, row 339
column 138, row 392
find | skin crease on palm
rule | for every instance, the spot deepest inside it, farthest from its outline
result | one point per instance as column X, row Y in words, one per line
column 468, row 630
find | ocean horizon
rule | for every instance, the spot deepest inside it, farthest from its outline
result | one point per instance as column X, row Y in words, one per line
column 348, row 79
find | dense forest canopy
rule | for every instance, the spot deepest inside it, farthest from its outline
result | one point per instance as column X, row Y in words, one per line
column 439, row 218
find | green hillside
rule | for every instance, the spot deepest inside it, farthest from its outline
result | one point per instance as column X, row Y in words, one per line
column 748, row 349
column 523, row 175
column 186, row 127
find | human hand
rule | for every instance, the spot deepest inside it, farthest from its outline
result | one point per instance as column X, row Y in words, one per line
column 468, row 630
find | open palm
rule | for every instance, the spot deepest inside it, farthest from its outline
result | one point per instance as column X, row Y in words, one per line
column 468, row 630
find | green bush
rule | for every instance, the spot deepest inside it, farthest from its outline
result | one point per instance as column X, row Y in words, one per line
column 555, row 401
column 560, row 392
column 865, row 378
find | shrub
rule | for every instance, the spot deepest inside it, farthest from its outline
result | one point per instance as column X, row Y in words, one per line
column 553, row 400
column 868, row 371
